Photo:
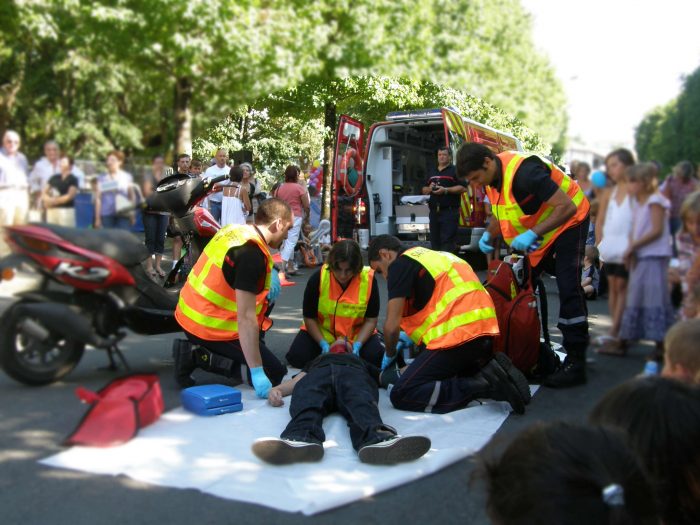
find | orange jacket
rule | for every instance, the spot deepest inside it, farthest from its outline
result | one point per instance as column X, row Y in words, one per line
column 341, row 313
column 459, row 310
column 510, row 216
column 207, row 306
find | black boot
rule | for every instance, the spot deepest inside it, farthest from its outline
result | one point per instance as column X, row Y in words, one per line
column 494, row 382
column 184, row 362
column 215, row 363
column 572, row 371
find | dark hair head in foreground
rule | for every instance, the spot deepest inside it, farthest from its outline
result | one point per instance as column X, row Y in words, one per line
column 559, row 473
column 661, row 418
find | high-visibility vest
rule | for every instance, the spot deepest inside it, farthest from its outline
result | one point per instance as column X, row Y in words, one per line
column 460, row 308
column 511, row 217
column 207, row 305
column 341, row 313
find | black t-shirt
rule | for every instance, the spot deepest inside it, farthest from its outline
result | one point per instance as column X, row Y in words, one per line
column 312, row 293
column 245, row 268
column 408, row 278
column 447, row 177
column 63, row 186
column 532, row 184
column 348, row 359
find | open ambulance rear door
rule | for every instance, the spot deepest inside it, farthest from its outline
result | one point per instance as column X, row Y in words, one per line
column 348, row 209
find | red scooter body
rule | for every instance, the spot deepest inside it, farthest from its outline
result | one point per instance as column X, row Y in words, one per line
column 93, row 286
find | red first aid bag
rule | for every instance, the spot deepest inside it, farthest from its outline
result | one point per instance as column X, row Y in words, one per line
column 517, row 314
column 118, row 411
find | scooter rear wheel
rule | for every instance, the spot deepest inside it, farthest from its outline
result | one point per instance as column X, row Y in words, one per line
column 31, row 359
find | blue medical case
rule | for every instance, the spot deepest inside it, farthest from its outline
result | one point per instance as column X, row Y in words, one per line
column 211, row 400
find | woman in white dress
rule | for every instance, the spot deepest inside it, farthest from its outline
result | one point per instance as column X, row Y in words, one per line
column 235, row 204
column 613, row 228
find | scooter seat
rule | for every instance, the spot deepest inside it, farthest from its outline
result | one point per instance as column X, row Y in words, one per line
column 121, row 245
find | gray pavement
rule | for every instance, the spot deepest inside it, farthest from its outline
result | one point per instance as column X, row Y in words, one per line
column 34, row 421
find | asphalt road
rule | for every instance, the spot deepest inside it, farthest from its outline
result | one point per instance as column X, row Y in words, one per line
column 34, row 421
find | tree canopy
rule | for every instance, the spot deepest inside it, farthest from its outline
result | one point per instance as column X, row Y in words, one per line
column 149, row 75
column 668, row 134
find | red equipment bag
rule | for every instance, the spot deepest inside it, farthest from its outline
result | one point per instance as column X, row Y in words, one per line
column 118, row 411
column 518, row 316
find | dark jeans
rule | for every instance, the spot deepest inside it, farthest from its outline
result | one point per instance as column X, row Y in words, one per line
column 305, row 349
column 336, row 388
column 215, row 209
column 274, row 370
column 437, row 381
column 443, row 229
column 154, row 227
column 563, row 261
column 116, row 221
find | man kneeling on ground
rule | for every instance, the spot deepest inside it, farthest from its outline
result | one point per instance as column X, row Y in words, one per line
column 439, row 302
column 338, row 381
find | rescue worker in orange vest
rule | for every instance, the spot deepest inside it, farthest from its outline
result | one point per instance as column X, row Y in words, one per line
column 540, row 211
column 438, row 301
column 223, row 304
column 341, row 301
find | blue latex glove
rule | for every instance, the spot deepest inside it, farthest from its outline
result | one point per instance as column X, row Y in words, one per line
column 485, row 244
column 260, row 381
column 386, row 361
column 524, row 241
column 325, row 346
column 356, row 347
column 275, row 286
column 403, row 338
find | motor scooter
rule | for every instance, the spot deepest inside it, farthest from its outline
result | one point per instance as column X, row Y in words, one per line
column 92, row 285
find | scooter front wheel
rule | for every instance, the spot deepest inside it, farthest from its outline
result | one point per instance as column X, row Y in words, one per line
column 33, row 355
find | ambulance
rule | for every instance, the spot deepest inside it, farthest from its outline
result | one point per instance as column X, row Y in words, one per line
column 377, row 182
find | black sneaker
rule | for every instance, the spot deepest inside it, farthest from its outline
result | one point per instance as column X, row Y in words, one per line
column 394, row 450
column 184, row 363
column 572, row 373
column 501, row 387
column 389, row 375
column 516, row 376
column 286, row 451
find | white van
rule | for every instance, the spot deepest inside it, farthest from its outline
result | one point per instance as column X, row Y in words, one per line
column 376, row 187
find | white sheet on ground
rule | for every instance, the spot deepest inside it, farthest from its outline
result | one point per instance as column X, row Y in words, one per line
column 213, row 454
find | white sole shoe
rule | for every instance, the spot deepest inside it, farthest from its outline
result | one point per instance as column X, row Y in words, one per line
column 286, row 452
column 395, row 450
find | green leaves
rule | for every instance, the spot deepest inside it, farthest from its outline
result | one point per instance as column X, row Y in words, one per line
column 668, row 134
column 102, row 74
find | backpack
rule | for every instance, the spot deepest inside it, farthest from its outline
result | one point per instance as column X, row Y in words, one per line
column 519, row 322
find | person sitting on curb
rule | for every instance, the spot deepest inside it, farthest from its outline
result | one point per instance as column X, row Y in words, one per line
column 437, row 299
column 337, row 381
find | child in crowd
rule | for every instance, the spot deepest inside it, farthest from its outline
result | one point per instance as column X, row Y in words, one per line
column 196, row 168
column 682, row 360
column 648, row 312
column 593, row 213
column 590, row 275
column 555, row 473
column 687, row 244
column 612, row 235
column 661, row 418
column 336, row 381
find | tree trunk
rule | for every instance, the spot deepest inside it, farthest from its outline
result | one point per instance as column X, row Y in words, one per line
column 329, row 125
column 183, row 116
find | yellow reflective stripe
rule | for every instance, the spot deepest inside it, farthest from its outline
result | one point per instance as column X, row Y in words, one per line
column 578, row 197
column 460, row 320
column 229, row 325
column 197, row 283
column 364, row 286
column 449, row 297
